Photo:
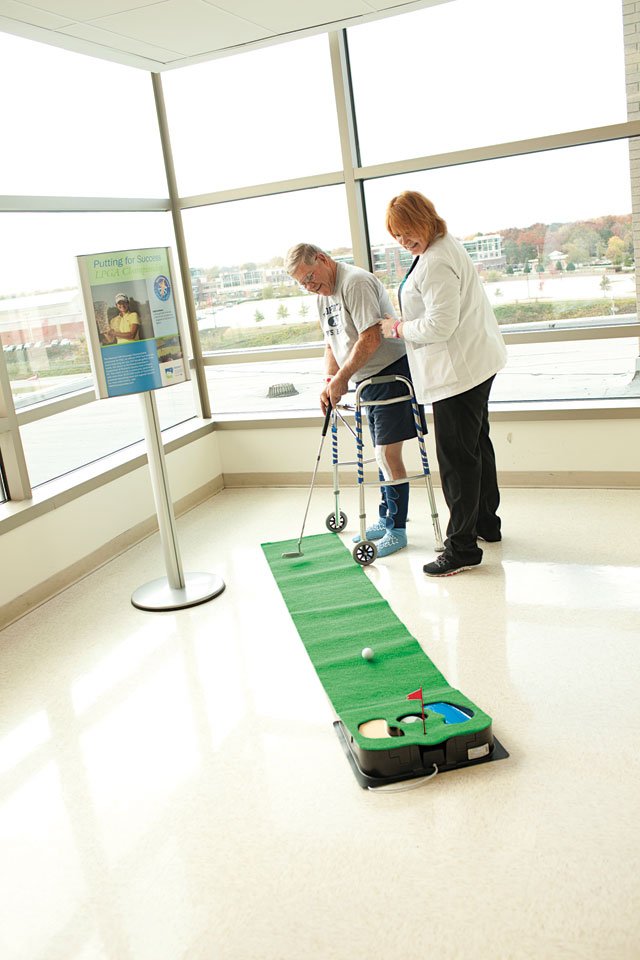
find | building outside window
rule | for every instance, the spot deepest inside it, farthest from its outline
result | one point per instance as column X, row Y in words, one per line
column 486, row 250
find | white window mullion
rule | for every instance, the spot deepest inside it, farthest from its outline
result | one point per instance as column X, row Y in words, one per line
column 201, row 392
column 631, row 22
column 349, row 147
column 13, row 461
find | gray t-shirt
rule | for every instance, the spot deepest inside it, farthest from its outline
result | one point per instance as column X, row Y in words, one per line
column 358, row 302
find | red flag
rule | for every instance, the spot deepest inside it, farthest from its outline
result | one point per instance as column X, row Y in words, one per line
column 417, row 695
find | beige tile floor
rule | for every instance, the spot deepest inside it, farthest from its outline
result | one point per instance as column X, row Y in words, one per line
column 171, row 787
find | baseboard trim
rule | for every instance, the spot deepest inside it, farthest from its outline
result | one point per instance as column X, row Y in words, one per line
column 60, row 581
column 586, row 479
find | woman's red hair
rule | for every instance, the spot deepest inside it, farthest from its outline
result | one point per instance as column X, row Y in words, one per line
column 412, row 213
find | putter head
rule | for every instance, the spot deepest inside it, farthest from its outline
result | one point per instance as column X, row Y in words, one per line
column 293, row 554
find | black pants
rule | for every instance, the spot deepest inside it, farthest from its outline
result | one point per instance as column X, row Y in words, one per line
column 467, row 465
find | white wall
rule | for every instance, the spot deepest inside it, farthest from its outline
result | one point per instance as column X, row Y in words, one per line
column 580, row 447
column 592, row 452
column 56, row 543
column 46, row 554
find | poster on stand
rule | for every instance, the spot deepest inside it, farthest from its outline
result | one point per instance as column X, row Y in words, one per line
column 131, row 320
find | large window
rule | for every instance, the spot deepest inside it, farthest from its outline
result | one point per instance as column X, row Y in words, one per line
column 256, row 117
column 550, row 231
column 531, row 220
column 467, row 73
column 244, row 297
column 552, row 256
column 66, row 441
column 271, row 385
column 563, row 370
column 76, row 126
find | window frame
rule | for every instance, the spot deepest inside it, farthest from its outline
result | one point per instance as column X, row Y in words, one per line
column 352, row 177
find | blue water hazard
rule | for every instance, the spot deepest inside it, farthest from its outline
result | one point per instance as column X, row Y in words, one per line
column 450, row 713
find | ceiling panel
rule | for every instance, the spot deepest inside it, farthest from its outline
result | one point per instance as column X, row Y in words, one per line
column 139, row 48
column 158, row 34
column 190, row 26
column 394, row 5
column 25, row 13
column 87, row 9
column 283, row 16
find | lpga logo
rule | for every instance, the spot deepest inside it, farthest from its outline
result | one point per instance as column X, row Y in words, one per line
column 162, row 288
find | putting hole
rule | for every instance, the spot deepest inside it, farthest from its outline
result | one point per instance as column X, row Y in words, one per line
column 395, row 731
column 374, row 729
column 378, row 729
column 451, row 713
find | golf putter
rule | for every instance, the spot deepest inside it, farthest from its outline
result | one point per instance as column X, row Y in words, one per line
column 298, row 552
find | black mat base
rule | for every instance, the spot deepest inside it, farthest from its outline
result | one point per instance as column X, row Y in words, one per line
column 366, row 780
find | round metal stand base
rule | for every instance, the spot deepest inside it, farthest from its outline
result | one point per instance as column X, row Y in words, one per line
column 159, row 595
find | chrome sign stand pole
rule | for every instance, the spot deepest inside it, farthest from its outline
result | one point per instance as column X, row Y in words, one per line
column 177, row 589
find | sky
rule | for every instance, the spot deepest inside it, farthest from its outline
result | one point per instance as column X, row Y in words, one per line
column 515, row 70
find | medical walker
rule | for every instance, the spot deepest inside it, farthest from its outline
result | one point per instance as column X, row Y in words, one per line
column 365, row 552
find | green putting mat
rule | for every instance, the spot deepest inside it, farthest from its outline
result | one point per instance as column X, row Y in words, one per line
column 338, row 612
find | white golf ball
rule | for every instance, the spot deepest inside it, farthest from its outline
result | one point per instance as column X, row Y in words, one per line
column 367, row 653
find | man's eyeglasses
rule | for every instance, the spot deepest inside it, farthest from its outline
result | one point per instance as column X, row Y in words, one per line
column 308, row 279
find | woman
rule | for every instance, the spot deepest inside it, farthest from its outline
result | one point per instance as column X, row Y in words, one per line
column 126, row 325
column 455, row 349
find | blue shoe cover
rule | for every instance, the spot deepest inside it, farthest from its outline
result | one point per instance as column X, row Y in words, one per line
column 374, row 532
column 392, row 541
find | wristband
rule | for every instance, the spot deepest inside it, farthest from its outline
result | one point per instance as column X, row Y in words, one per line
column 394, row 329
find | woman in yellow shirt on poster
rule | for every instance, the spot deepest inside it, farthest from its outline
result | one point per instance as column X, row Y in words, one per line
column 126, row 326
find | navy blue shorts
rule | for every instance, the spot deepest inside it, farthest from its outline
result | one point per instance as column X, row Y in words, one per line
column 392, row 422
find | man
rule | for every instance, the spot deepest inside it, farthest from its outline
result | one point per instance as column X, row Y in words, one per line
column 350, row 304
column 126, row 325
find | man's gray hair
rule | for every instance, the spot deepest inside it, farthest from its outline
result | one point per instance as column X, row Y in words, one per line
column 302, row 253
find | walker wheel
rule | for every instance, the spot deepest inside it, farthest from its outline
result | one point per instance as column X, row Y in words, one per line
column 336, row 527
column 365, row 552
